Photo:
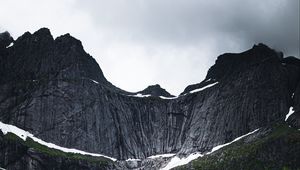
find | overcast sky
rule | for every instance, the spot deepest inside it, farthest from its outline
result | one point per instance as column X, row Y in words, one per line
column 168, row 42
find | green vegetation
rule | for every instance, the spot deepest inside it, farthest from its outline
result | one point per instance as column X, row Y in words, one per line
column 277, row 148
column 54, row 152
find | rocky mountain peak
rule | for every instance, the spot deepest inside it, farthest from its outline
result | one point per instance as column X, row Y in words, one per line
column 39, row 56
column 155, row 90
column 264, row 50
column 5, row 39
column 43, row 32
column 68, row 41
column 231, row 63
column 57, row 92
column 41, row 37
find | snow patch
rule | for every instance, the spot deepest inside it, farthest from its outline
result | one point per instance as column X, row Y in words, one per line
column 291, row 111
column 6, row 128
column 162, row 156
column 148, row 95
column 132, row 159
column 236, row 139
column 176, row 161
column 94, row 81
column 203, row 88
column 168, row 98
column 207, row 80
column 140, row 95
column 11, row 44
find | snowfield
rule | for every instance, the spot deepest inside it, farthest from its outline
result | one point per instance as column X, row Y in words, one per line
column 140, row 95
column 203, row 88
column 291, row 111
column 10, row 45
column 94, row 81
column 168, row 98
column 6, row 128
column 162, row 156
column 176, row 161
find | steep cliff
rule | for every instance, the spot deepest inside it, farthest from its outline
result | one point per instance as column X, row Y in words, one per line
column 275, row 147
column 19, row 155
column 55, row 90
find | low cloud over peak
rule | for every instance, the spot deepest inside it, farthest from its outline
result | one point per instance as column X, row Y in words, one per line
column 169, row 42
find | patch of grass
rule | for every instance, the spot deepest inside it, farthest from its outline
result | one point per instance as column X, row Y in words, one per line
column 266, row 152
column 54, row 152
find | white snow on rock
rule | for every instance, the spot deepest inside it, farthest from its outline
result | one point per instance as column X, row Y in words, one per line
column 168, row 98
column 236, row 139
column 6, row 128
column 176, row 161
column 94, row 81
column 162, row 156
column 291, row 111
column 203, row 88
column 140, row 95
column 132, row 159
column 148, row 95
column 11, row 44
column 207, row 80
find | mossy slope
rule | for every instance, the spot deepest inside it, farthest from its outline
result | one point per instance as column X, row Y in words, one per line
column 18, row 154
column 273, row 148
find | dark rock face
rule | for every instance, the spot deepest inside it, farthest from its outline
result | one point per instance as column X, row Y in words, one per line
column 294, row 64
column 38, row 56
column 55, row 90
column 275, row 148
column 250, row 84
column 230, row 65
column 16, row 156
column 294, row 119
column 5, row 39
column 156, row 91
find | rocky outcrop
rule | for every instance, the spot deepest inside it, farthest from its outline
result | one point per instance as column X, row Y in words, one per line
column 294, row 119
column 294, row 64
column 273, row 147
column 55, row 90
column 156, row 91
column 18, row 155
column 38, row 56
column 5, row 40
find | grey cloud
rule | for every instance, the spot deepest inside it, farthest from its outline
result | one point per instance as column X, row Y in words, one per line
column 169, row 42
column 187, row 23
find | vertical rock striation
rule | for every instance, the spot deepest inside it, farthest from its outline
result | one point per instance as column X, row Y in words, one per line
column 55, row 90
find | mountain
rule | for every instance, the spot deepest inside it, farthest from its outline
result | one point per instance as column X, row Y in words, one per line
column 156, row 91
column 57, row 92
column 274, row 147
